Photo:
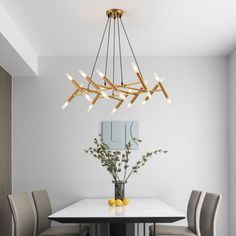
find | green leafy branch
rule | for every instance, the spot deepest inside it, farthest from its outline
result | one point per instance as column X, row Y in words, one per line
column 116, row 161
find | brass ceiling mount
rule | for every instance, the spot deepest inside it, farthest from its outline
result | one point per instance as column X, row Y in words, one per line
column 115, row 13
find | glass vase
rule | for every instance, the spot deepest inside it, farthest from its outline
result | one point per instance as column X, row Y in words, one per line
column 119, row 189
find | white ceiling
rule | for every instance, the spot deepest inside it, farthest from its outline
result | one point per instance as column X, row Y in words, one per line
column 155, row 27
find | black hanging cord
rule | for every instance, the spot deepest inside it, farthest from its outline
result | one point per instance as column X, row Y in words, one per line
column 99, row 49
column 121, row 69
column 108, row 43
column 114, row 48
column 130, row 46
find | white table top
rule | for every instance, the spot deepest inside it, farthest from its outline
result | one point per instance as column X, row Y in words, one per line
column 97, row 210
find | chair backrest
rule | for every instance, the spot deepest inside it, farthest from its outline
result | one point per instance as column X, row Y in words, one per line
column 23, row 214
column 43, row 210
column 208, row 214
column 192, row 210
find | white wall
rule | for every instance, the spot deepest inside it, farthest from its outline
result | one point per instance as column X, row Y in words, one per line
column 49, row 142
column 232, row 86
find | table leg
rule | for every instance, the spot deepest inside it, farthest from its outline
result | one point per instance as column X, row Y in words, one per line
column 144, row 229
column 118, row 229
column 96, row 229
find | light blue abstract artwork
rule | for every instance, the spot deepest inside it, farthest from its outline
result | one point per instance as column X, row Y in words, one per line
column 117, row 134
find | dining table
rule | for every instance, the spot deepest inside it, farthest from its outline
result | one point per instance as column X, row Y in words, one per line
column 139, row 211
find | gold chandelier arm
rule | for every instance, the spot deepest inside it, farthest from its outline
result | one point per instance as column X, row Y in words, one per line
column 73, row 95
column 115, row 97
column 69, row 99
column 92, row 83
column 134, row 83
column 104, row 87
column 77, row 85
column 109, row 88
column 130, row 88
column 93, row 102
column 122, row 96
column 142, row 81
column 118, row 86
column 128, row 85
column 154, row 89
column 140, row 78
column 127, row 92
column 157, row 90
column 119, row 104
column 95, row 99
column 135, row 97
column 163, row 90
column 107, row 80
column 91, row 91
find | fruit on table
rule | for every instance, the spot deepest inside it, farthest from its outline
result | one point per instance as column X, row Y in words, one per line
column 126, row 201
column 119, row 203
column 111, row 202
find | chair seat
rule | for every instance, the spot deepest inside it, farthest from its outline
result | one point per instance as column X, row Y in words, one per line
column 171, row 230
column 66, row 230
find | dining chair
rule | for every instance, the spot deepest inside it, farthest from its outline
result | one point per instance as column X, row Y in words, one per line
column 208, row 214
column 43, row 224
column 23, row 215
column 207, row 220
column 192, row 219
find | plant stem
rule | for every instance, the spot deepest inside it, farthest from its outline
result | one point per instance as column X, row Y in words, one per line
column 141, row 162
column 131, row 172
column 125, row 174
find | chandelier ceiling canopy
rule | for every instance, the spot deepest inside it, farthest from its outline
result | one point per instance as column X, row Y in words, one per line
column 108, row 88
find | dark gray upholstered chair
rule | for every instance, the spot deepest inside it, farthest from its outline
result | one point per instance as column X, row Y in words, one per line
column 192, row 219
column 208, row 215
column 23, row 214
column 43, row 226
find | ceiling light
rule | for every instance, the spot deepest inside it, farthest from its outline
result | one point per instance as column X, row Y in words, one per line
column 110, row 88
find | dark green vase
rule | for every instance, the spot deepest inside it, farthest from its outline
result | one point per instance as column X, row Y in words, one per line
column 119, row 189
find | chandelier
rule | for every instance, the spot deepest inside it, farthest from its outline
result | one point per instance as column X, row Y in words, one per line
column 109, row 89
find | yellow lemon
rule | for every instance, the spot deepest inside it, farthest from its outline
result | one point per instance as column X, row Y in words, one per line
column 118, row 203
column 126, row 201
column 111, row 202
